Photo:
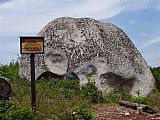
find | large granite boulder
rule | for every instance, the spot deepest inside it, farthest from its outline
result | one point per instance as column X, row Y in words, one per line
column 89, row 50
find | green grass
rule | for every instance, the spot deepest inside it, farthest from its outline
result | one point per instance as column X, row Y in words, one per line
column 59, row 99
column 56, row 99
column 156, row 74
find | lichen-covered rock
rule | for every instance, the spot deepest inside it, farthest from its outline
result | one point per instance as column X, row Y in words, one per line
column 90, row 50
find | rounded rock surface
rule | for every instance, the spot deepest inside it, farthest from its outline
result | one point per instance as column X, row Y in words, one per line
column 95, row 51
column 5, row 88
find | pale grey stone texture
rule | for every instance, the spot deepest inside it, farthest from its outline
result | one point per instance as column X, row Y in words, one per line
column 94, row 51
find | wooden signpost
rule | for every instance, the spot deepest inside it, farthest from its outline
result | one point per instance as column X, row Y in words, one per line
column 32, row 46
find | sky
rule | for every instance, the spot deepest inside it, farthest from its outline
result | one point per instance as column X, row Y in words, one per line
column 140, row 19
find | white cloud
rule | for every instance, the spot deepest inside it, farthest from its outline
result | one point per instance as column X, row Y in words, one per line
column 20, row 16
column 158, row 7
column 150, row 42
column 152, row 58
column 9, row 50
column 132, row 22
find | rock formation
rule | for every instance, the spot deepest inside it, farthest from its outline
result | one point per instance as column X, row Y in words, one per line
column 89, row 50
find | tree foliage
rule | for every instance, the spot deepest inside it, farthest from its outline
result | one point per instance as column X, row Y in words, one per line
column 156, row 74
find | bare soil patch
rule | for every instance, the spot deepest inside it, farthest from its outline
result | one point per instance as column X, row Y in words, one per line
column 116, row 112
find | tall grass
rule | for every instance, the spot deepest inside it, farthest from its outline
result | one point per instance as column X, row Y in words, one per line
column 56, row 99
column 61, row 99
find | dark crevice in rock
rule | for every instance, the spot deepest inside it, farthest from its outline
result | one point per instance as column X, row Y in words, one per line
column 117, row 82
column 71, row 76
column 47, row 75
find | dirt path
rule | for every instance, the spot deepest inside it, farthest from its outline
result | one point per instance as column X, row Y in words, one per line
column 116, row 112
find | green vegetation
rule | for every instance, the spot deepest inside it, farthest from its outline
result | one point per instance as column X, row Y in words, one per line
column 56, row 99
column 12, row 111
column 90, row 91
column 156, row 74
column 139, row 99
column 61, row 99
column 10, row 71
column 116, row 96
column 81, row 111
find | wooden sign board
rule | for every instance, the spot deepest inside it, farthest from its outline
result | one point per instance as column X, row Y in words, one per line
column 31, row 45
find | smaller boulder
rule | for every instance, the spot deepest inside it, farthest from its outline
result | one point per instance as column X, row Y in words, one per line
column 5, row 88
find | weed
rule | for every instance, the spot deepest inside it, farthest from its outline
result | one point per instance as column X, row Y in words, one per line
column 57, row 99
column 81, row 111
column 69, row 93
column 139, row 99
column 153, row 99
column 11, row 111
column 116, row 96
column 91, row 91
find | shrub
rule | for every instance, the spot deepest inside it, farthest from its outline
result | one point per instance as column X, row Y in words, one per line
column 153, row 99
column 69, row 93
column 111, row 97
column 91, row 91
column 156, row 75
column 20, row 114
column 10, row 111
column 70, row 84
column 10, row 71
column 4, row 108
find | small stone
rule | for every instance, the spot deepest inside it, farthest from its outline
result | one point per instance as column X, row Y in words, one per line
column 126, row 113
column 74, row 113
column 139, row 110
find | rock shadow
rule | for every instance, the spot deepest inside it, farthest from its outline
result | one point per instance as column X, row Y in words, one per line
column 117, row 82
column 48, row 75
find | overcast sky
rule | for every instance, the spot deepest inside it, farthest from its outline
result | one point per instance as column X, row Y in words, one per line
column 140, row 19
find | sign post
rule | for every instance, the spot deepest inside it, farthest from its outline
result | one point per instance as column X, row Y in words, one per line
column 33, row 85
column 32, row 46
